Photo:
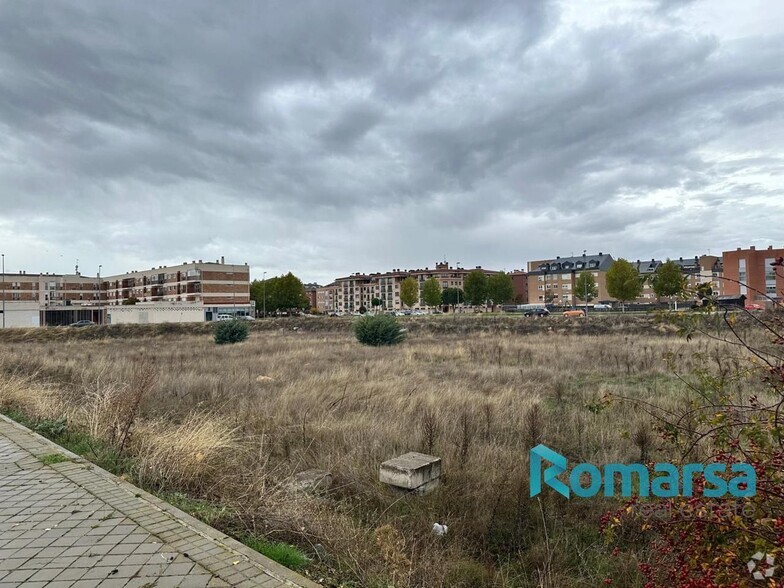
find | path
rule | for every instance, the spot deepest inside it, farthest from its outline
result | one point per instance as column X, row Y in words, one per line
column 73, row 525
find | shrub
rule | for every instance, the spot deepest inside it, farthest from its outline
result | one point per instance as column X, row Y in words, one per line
column 382, row 329
column 231, row 332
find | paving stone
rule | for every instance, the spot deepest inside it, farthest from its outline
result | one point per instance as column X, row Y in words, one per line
column 72, row 525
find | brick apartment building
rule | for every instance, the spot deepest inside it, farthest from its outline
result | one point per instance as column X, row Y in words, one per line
column 553, row 280
column 519, row 286
column 350, row 293
column 210, row 282
column 749, row 272
column 64, row 298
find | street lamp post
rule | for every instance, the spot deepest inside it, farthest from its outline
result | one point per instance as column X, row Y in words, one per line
column 100, row 313
column 264, row 294
column 458, row 289
column 3, row 270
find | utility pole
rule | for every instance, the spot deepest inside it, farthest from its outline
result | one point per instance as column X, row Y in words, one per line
column 264, row 294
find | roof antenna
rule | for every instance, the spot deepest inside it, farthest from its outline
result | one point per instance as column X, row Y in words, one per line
column 76, row 270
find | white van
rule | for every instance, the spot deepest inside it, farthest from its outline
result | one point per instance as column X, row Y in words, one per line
column 225, row 317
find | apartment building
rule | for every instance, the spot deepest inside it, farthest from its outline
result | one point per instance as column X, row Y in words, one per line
column 552, row 281
column 50, row 289
column 348, row 294
column 311, row 291
column 65, row 298
column 697, row 270
column 210, row 282
column 519, row 286
column 750, row 272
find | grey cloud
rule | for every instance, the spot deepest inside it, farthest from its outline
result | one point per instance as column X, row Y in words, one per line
column 278, row 131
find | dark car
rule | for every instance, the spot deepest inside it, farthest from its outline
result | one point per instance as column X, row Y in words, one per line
column 537, row 312
column 82, row 323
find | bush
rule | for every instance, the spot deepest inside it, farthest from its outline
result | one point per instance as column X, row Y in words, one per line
column 382, row 329
column 231, row 332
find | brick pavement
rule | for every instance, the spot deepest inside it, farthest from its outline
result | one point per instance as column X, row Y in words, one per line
column 73, row 525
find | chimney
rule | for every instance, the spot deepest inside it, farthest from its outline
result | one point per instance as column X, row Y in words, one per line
column 753, row 248
column 222, row 259
column 600, row 253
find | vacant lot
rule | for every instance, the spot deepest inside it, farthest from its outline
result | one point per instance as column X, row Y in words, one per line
column 232, row 424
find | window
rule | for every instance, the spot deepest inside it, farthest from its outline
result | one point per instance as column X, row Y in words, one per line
column 742, row 275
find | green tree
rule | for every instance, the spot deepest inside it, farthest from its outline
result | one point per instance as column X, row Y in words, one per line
column 290, row 293
column 130, row 301
column 500, row 288
column 585, row 287
column 281, row 292
column 623, row 281
column 409, row 291
column 475, row 286
column 259, row 289
column 452, row 296
column 668, row 281
column 376, row 302
column 431, row 292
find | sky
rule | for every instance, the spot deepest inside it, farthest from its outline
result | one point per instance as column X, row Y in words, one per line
column 326, row 138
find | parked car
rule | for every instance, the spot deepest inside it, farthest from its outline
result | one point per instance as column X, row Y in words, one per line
column 574, row 313
column 754, row 307
column 246, row 317
column 600, row 306
column 82, row 323
column 537, row 312
column 225, row 317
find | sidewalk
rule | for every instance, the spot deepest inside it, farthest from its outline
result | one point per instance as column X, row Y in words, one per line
column 73, row 525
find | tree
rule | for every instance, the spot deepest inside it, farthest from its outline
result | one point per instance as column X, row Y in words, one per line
column 452, row 296
column 475, row 286
column 376, row 302
column 409, row 291
column 281, row 292
column 431, row 292
column 585, row 287
column 500, row 288
column 130, row 301
column 668, row 281
column 290, row 293
column 259, row 289
column 623, row 281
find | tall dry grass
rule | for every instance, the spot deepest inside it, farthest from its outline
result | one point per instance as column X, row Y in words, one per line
column 235, row 422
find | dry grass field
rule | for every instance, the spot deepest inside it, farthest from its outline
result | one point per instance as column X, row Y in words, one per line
column 231, row 424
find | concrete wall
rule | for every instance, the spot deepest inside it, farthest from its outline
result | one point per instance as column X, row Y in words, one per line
column 155, row 313
column 21, row 314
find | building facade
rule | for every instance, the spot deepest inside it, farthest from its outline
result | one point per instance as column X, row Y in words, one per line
column 350, row 293
column 552, row 281
column 211, row 282
column 749, row 272
column 64, row 298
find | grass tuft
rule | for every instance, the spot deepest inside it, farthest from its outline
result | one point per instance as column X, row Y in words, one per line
column 283, row 553
column 52, row 458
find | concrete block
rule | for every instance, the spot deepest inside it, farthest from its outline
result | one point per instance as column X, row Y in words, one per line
column 411, row 472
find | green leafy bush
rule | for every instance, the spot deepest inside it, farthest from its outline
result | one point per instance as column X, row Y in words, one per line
column 231, row 332
column 382, row 329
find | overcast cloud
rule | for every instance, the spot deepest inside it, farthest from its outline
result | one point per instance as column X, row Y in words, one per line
column 331, row 137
